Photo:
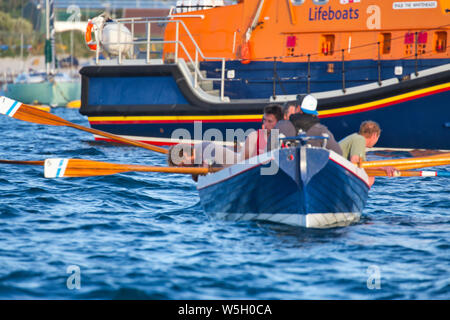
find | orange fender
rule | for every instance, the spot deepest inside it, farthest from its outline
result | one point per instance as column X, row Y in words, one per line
column 88, row 37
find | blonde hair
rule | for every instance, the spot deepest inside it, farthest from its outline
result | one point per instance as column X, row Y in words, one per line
column 368, row 128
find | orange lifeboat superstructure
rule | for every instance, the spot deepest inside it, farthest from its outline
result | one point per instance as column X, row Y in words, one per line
column 291, row 30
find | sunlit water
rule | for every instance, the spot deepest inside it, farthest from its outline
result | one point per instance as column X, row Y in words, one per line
column 145, row 236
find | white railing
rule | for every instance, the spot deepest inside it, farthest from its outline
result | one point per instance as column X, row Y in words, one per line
column 178, row 45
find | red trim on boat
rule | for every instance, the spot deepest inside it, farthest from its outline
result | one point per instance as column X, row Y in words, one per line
column 171, row 121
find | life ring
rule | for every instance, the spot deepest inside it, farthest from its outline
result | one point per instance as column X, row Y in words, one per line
column 88, row 37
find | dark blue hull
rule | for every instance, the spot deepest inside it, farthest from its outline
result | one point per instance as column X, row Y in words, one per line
column 313, row 188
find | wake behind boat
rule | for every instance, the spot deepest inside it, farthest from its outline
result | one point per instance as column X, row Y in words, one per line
column 299, row 186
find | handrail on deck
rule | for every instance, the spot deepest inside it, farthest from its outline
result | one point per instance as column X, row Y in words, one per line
column 178, row 44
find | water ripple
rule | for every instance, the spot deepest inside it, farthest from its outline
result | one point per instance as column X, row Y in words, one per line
column 145, row 236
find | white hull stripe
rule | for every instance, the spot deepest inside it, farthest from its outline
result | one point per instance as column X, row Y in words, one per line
column 311, row 220
column 55, row 168
column 9, row 106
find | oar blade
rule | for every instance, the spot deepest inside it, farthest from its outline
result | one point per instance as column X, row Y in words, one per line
column 20, row 111
column 60, row 168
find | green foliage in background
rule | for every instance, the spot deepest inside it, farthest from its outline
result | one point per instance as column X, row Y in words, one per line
column 13, row 7
column 13, row 32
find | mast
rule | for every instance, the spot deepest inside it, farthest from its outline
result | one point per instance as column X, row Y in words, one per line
column 50, row 36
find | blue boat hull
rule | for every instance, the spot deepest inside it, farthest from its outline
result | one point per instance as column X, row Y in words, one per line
column 309, row 188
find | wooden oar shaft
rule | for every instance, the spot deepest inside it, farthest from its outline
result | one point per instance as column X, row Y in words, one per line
column 27, row 162
column 424, row 162
column 402, row 173
column 438, row 155
column 55, row 168
column 421, row 165
column 120, row 139
column 28, row 113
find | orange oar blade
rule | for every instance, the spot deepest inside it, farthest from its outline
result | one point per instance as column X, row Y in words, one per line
column 57, row 168
column 18, row 110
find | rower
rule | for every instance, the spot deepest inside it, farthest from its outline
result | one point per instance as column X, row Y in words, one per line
column 354, row 146
column 307, row 120
column 256, row 142
column 205, row 154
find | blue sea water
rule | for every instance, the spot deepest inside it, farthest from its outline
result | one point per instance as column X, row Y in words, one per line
column 145, row 236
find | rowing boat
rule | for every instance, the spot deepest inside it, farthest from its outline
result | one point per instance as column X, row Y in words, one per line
column 298, row 186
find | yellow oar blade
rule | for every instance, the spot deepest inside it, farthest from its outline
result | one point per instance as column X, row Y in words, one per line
column 18, row 110
column 58, row 168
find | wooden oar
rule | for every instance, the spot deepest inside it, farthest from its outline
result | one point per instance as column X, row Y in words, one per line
column 56, row 168
column 18, row 110
column 36, row 163
column 408, row 163
column 421, row 165
column 402, row 173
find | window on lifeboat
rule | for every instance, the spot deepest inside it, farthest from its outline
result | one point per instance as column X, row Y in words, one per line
column 385, row 43
column 297, row 2
column 440, row 41
column 320, row 2
column 327, row 44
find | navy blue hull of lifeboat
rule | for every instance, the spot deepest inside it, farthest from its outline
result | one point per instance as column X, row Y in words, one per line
column 153, row 101
column 311, row 188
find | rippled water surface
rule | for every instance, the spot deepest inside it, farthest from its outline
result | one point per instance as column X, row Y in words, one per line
column 145, row 236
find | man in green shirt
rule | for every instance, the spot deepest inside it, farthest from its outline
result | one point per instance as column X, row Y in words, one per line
column 354, row 146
